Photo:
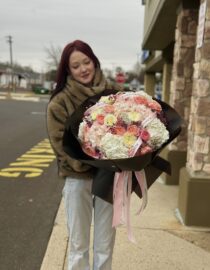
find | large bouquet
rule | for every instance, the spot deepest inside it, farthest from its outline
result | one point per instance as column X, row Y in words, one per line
column 122, row 126
column 122, row 132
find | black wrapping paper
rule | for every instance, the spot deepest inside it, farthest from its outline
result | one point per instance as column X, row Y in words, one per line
column 103, row 178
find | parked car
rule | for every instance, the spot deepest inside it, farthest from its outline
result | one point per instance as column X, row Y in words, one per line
column 39, row 89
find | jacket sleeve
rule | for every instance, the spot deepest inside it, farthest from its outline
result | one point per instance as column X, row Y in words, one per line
column 56, row 118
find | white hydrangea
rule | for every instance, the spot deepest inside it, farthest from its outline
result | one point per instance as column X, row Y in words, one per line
column 95, row 134
column 113, row 146
column 158, row 133
column 81, row 131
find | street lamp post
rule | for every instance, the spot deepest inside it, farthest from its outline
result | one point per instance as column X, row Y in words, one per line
column 9, row 40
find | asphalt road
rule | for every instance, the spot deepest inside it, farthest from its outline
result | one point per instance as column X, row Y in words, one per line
column 30, row 190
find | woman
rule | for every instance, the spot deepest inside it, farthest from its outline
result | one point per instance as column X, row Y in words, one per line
column 78, row 77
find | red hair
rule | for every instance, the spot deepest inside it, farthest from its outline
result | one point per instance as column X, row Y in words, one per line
column 63, row 69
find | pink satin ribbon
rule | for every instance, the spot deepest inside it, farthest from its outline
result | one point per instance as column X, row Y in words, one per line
column 123, row 188
column 122, row 196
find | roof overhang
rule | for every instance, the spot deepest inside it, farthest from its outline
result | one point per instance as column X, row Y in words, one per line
column 155, row 64
column 161, row 30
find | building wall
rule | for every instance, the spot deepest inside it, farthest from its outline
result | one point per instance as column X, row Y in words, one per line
column 198, row 158
column 182, row 73
column 190, row 96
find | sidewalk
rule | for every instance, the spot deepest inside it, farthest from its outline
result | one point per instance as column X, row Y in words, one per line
column 26, row 95
column 163, row 243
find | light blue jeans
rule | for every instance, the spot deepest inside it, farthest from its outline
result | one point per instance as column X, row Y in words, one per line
column 79, row 205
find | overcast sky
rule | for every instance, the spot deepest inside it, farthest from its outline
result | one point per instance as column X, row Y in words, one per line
column 113, row 28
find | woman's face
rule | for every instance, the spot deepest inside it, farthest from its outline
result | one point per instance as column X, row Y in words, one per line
column 81, row 67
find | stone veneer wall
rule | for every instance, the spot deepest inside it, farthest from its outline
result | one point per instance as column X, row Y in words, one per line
column 182, row 72
column 198, row 156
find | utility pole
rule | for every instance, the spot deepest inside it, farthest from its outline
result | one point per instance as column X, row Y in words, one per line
column 9, row 40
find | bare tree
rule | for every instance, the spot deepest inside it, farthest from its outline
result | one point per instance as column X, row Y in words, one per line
column 53, row 56
column 137, row 68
